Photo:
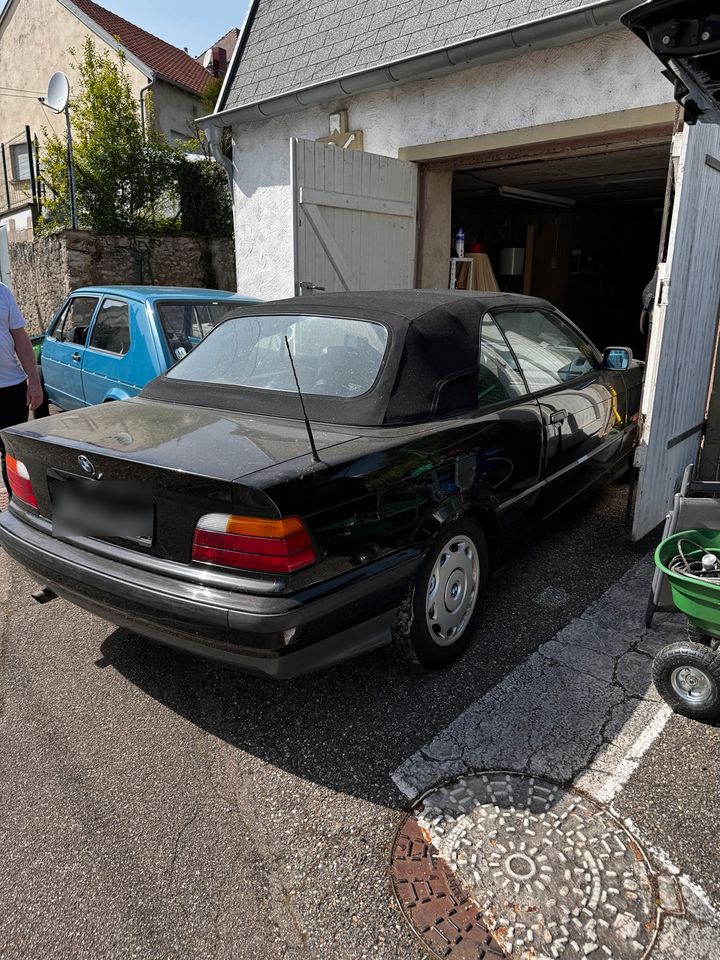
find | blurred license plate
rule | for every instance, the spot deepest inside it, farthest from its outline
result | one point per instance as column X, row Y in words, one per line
column 101, row 509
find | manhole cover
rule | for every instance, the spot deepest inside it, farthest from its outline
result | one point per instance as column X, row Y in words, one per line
column 500, row 864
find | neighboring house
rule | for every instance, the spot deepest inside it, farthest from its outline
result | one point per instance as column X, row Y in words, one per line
column 543, row 128
column 35, row 37
column 217, row 58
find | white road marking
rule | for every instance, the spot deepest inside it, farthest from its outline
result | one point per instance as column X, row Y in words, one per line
column 631, row 760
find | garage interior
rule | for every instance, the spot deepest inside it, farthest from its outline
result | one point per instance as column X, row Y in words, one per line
column 589, row 244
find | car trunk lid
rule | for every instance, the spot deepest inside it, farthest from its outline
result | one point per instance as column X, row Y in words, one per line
column 177, row 462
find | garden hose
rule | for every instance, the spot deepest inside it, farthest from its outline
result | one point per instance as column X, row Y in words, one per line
column 702, row 564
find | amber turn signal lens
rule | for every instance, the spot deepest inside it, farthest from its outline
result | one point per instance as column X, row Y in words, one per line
column 277, row 529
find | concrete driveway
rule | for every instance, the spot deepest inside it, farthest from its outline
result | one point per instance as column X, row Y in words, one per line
column 159, row 807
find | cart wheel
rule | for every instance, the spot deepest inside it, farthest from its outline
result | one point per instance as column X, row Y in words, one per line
column 687, row 677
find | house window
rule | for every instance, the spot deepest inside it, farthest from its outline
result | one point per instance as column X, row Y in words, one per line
column 20, row 161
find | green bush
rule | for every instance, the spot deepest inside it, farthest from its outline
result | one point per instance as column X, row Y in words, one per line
column 127, row 179
column 205, row 201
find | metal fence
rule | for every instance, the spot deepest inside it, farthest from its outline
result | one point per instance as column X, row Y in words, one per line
column 19, row 168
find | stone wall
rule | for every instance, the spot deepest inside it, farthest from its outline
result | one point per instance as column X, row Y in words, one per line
column 39, row 279
column 46, row 270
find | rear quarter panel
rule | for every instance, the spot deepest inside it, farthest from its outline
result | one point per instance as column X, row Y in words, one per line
column 392, row 489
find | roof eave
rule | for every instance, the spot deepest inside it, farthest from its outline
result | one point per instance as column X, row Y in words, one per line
column 237, row 53
column 560, row 29
column 181, row 86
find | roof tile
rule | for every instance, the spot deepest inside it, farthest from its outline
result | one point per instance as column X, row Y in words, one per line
column 168, row 62
column 332, row 38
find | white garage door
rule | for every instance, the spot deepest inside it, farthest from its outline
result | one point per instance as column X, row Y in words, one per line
column 682, row 343
column 355, row 216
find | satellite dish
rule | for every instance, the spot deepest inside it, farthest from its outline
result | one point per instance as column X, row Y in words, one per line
column 58, row 92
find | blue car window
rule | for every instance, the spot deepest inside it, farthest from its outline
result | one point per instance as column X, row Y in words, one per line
column 72, row 325
column 111, row 330
column 186, row 322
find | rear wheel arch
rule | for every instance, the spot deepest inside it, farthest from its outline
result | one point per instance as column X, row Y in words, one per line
column 487, row 518
column 115, row 395
column 454, row 509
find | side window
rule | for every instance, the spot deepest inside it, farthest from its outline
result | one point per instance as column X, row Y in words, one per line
column 72, row 325
column 548, row 350
column 111, row 330
column 498, row 376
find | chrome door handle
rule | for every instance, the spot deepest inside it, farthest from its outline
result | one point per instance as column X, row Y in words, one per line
column 76, row 357
column 557, row 416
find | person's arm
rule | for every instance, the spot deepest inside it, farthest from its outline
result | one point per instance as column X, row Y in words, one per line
column 26, row 356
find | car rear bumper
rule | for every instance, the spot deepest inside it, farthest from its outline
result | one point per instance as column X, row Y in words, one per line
column 277, row 636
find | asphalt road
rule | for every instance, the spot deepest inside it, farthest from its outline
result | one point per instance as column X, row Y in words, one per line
column 157, row 806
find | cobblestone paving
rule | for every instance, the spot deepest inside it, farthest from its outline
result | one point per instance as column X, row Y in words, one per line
column 582, row 711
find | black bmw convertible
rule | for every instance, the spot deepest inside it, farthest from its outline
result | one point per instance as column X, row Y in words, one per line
column 323, row 475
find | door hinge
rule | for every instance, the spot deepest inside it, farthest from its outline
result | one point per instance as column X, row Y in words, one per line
column 308, row 285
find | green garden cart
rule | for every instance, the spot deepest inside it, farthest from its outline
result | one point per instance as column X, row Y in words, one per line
column 686, row 673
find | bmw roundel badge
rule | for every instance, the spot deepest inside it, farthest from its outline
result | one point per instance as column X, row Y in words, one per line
column 86, row 465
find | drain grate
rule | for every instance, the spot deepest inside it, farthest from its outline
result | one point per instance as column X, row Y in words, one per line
column 518, row 866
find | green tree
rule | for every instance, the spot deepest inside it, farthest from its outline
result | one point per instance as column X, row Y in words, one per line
column 125, row 176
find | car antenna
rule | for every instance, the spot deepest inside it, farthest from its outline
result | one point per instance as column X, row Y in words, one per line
column 315, row 456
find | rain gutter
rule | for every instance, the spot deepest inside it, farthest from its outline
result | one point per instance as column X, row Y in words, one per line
column 560, row 29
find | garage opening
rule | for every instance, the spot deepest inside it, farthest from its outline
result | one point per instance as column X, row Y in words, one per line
column 580, row 231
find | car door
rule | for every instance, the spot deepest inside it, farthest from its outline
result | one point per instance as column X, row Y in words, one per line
column 64, row 349
column 582, row 405
column 510, row 462
column 115, row 365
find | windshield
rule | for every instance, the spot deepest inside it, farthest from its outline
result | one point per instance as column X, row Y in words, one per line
column 333, row 356
column 186, row 322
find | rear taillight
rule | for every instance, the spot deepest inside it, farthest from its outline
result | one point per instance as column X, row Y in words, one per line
column 19, row 478
column 269, row 546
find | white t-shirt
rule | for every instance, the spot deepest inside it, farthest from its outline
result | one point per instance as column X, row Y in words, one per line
column 11, row 372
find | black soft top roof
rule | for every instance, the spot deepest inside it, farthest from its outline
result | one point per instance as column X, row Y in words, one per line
column 429, row 369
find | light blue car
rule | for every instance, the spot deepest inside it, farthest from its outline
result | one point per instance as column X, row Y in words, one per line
column 107, row 343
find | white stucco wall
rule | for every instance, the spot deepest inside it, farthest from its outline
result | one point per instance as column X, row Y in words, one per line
column 608, row 73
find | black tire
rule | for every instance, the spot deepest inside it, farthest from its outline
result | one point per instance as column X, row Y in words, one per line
column 687, row 677
column 412, row 636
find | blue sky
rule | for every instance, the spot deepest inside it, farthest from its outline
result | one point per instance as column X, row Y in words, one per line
column 186, row 23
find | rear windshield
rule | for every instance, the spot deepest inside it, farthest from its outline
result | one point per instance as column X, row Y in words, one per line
column 333, row 356
column 186, row 322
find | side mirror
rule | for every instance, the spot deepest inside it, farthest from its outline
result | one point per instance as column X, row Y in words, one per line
column 617, row 358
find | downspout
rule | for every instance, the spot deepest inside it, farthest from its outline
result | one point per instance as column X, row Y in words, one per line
column 214, row 133
column 142, row 105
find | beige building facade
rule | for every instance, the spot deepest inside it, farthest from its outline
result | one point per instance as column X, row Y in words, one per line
column 37, row 38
